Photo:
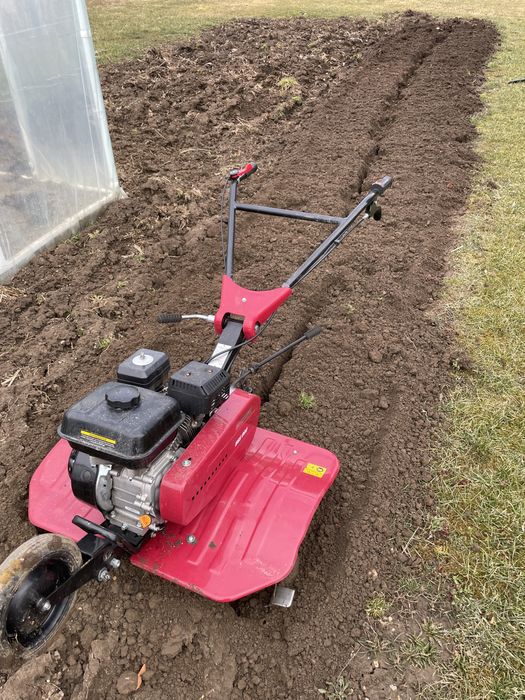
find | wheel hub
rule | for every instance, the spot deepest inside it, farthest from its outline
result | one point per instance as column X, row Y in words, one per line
column 28, row 618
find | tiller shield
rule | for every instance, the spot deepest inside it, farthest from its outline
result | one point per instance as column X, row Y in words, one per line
column 261, row 491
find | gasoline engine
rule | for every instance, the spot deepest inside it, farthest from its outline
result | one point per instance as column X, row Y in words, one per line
column 127, row 433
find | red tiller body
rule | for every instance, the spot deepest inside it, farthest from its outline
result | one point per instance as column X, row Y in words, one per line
column 254, row 307
column 201, row 472
column 236, row 516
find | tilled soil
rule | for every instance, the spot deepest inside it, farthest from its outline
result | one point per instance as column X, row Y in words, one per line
column 358, row 100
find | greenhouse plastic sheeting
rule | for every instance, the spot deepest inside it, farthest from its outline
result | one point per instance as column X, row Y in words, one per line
column 56, row 164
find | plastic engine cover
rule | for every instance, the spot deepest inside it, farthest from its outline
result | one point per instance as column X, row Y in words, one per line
column 199, row 388
column 145, row 368
column 121, row 424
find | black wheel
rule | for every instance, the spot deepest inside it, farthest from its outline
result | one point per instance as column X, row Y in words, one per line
column 28, row 575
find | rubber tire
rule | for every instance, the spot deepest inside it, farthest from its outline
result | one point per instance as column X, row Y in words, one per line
column 13, row 571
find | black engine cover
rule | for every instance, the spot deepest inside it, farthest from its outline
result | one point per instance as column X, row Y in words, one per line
column 199, row 388
column 83, row 477
column 121, row 424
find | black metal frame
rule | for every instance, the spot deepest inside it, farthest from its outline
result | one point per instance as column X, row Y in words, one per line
column 97, row 547
column 344, row 224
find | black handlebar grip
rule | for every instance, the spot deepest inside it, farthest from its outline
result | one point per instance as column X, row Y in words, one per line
column 169, row 318
column 382, row 185
column 312, row 332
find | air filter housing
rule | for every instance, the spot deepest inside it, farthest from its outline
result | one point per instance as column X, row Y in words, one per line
column 199, row 388
column 145, row 368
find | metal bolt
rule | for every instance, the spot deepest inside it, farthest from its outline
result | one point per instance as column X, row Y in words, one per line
column 114, row 562
column 103, row 575
column 44, row 606
column 186, row 462
column 191, row 539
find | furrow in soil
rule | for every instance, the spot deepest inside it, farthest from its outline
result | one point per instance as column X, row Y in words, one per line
column 325, row 108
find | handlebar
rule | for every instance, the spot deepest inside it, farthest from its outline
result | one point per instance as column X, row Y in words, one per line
column 382, row 185
column 345, row 225
column 366, row 208
column 239, row 174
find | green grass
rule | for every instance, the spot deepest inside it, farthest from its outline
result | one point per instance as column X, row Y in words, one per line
column 124, row 28
column 104, row 343
column 418, row 650
column 306, row 401
column 337, row 690
column 377, row 606
column 480, row 475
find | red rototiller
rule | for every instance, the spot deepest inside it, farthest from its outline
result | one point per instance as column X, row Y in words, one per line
column 176, row 474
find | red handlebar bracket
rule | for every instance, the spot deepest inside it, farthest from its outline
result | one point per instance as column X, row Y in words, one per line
column 253, row 307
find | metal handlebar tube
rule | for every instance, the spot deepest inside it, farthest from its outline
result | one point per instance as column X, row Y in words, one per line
column 343, row 224
column 230, row 248
column 337, row 235
column 235, row 176
column 289, row 213
column 227, row 347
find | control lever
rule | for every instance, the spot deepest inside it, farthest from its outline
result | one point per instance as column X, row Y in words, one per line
column 311, row 333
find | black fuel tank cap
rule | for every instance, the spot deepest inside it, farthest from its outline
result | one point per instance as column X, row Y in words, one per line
column 123, row 397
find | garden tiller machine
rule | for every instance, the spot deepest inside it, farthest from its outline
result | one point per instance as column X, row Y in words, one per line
column 173, row 470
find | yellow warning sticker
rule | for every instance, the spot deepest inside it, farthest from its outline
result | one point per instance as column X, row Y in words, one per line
column 315, row 470
column 86, row 433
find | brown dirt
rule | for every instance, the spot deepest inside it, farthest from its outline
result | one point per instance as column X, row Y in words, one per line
column 372, row 98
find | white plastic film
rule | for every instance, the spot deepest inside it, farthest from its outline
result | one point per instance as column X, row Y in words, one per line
column 56, row 163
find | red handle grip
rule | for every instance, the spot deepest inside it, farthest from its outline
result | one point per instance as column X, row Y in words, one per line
column 240, row 173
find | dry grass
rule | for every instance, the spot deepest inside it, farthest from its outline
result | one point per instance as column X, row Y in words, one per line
column 124, row 28
column 8, row 293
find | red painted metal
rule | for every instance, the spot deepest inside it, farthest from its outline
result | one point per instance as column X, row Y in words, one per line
column 240, row 174
column 255, row 307
column 186, row 490
column 247, row 535
column 52, row 504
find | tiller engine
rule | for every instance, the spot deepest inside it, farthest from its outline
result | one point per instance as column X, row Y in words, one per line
column 172, row 468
